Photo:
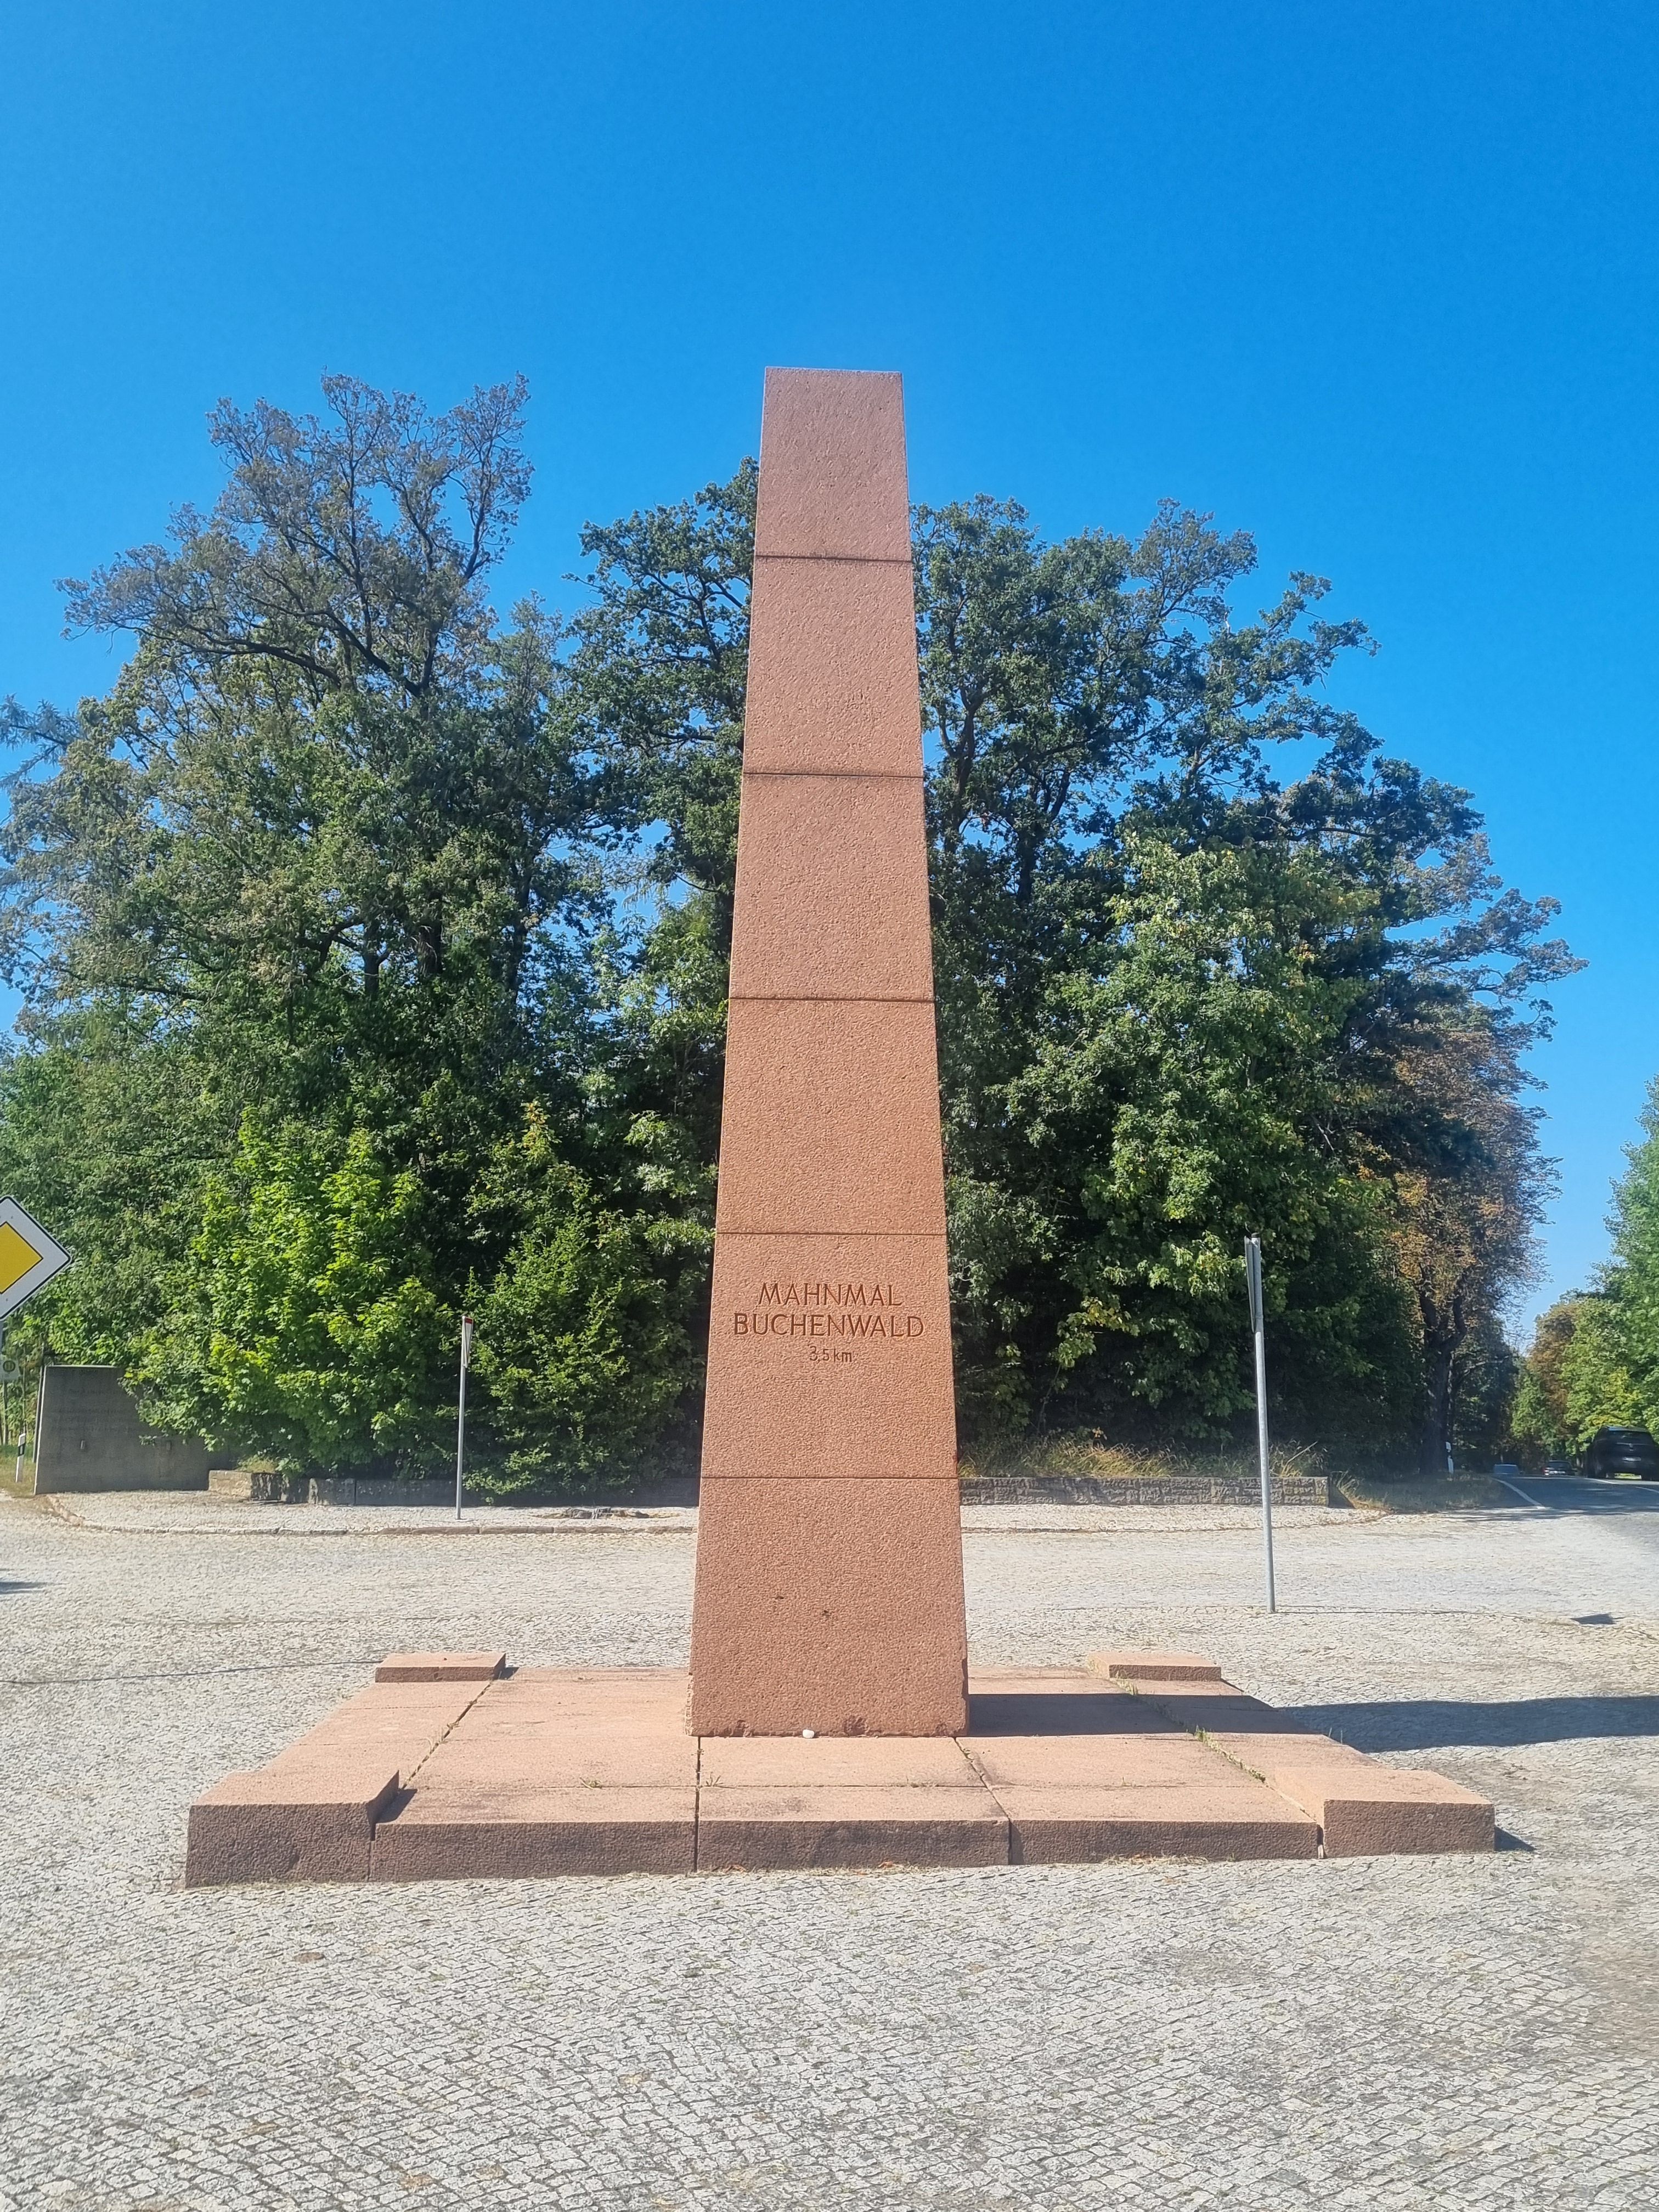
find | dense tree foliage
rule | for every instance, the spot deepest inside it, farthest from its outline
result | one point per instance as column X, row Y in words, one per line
column 1594, row 1356
column 1635, row 1274
column 375, row 949
column 315, row 922
column 1181, row 999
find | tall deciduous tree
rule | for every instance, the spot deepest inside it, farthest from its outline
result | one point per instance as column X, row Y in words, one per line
column 1595, row 1358
column 376, row 955
column 1540, row 1416
column 333, row 851
column 1634, row 1279
column 1469, row 1190
column 1182, row 1001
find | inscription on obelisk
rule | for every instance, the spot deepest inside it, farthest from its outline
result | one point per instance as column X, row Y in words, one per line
column 828, row 1580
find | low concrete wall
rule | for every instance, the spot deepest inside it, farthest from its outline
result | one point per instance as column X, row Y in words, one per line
column 256, row 1485
column 350, row 1489
column 1167, row 1489
column 89, row 1436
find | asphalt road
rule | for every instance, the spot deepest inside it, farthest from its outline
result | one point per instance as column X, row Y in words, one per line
column 1577, row 1494
column 1628, row 1511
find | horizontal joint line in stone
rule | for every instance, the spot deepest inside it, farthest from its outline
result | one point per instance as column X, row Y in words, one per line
column 877, row 1234
column 855, row 559
column 838, row 774
column 831, row 997
column 925, row 1235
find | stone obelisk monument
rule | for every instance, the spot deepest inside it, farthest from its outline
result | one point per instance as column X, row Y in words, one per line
column 829, row 1582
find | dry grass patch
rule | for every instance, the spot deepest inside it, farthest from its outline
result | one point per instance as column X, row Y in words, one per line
column 1453, row 1493
column 1090, row 1459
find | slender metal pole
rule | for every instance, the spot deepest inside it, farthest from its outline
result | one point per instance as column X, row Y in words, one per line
column 460, row 1411
column 1253, row 1276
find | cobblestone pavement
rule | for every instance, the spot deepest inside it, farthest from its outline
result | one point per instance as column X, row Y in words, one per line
column 1374, row 2034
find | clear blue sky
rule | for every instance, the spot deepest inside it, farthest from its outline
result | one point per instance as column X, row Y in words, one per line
column 1375, row 281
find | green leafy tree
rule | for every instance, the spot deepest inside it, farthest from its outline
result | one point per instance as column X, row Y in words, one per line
column 1180, row 1000
column 1595, row 1359
column 1635, row 1277
column 1165, row 1112
column 335, row 844
column 1485, row 1401
column 661, row 670
column 585, row 1336
column 1469, row 1190
column 1540, row 1418
column 1600, row 1389
column 352, row 904
column 106, row 1134
column 305, row 1315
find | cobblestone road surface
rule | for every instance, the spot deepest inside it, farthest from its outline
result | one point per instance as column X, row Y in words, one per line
column 1374, row 2034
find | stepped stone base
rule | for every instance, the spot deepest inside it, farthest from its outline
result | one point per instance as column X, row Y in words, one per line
column 448, row 1767
column 1363, row 1809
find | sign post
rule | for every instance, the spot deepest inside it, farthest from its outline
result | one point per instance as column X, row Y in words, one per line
column 1253, row 1276
column 10, row 1372
column 460, row 1414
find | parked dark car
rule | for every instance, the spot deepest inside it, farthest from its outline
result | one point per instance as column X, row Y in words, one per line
column 1623, row 1451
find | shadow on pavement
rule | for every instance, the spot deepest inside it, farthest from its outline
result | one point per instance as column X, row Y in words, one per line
column 1049, row 1712
column 1431, row 1723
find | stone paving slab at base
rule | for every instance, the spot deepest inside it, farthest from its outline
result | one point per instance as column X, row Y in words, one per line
column 849, row 1826
column 1378, row 1811
column 844, row 1802
column 311, row 1815
column 288, row 1825
column 441, row 1667
column 522, row 1832
column 1086, row 1771
column 547, row 1772
column 1363, row 1809
column 553, row 1772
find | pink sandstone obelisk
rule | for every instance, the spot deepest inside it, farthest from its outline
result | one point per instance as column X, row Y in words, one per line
column 829, row 1579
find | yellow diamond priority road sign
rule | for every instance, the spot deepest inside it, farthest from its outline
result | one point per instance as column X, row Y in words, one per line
column 29, row 1258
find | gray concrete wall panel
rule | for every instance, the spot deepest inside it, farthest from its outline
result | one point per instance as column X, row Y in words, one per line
column 89, row 1436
